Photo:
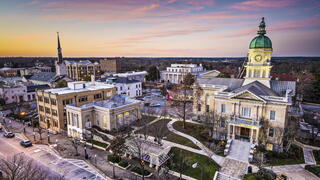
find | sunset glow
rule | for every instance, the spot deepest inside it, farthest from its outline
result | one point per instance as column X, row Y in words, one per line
column 202, row 28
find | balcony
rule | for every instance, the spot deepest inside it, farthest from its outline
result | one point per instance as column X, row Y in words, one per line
column 244, row 121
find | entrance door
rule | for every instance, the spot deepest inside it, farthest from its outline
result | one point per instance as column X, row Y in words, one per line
column 245, row 134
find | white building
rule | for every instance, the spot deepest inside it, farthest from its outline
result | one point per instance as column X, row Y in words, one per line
column 133, row 75
column 111, row 114
column 131, row 88
column 19, row 93
column 176, row 72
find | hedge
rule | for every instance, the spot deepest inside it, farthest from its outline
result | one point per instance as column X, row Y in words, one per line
column 314, row 169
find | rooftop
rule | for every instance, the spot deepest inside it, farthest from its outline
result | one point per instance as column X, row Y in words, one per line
column 116, row 79
column 114, row 102
column 79, row 86
column 131, row 73
column 83, row 63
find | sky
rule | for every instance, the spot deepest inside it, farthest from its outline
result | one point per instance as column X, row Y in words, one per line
column 157, row 28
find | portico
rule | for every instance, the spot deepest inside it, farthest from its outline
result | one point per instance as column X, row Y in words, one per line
column 243, row 132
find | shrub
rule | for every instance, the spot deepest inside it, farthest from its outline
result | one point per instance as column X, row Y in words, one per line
column 123, row 163
column 314, row 169
column 265, row 174
column 316, row 154
column 140, row 171
column 114, row 159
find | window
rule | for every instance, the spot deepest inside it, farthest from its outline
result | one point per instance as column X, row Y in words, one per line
column 256, row 73
column 246, row 112
column 271, row 132
column 46, row 100
column 40, row 98
column 199, row 107
column 47, row 110
column 97, row 96
column 83, row 98
column 54, row 112
column 223, row 122
column 41, row 108
column 53, row 101
column 223, row 108
column 272, row 115
column 207, row 108
column 67, row 101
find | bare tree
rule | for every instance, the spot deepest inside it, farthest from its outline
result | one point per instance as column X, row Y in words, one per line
column 263, row 135
column 117, row 145
column 40, row 131
column 20, row 167
column 138, row 147
column 159, row 131
column 75, row 142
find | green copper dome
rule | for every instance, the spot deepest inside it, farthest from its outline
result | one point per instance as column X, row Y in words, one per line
column 261, row 41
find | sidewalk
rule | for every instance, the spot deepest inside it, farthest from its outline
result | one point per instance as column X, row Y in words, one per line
column 308, row 156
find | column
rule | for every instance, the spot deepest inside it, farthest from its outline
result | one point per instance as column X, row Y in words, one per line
column 233, row 132
column 251, row 134
column 228, row 134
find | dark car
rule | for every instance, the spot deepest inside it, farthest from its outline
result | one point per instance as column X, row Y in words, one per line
column 26, row 143
column 8, row 134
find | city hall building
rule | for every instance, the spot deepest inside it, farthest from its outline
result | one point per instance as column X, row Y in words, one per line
column 245, row 105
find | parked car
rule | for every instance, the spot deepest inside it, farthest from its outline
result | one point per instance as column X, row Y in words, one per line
column 8, row 134
column 154, row 105
column 26, row 143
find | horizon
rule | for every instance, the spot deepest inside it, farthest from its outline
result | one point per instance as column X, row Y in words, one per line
column 169, row 28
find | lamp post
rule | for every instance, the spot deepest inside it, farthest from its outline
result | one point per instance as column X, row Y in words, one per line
column 201, row 167
column 142, row 164
column 48, row 138
column 34, row 136
column 85, row 152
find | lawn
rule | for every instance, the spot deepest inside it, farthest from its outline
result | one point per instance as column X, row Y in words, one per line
column 168, row 135
column 103, row 145
column 192, row 129
column 249, row 176
column 209, row 165
column 313, row 169
column 316, row 154
column 293, row 156
column 146, row 119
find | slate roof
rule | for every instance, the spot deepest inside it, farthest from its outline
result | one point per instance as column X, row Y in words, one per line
column 257, row 88
column 231, row 83
column 116, row 79
column 33, row 88
column 281, row 86
column 43, row 76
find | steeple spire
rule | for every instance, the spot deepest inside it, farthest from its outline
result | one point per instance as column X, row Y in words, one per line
column 262, row 27
column 59, row 49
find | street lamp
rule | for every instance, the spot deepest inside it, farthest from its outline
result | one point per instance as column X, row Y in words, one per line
column 48, row 138
column 85, row 152
column 142, row 164
column 34, row 136
column 195, row 165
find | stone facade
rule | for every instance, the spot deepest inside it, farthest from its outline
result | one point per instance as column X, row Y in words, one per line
column 51, row 102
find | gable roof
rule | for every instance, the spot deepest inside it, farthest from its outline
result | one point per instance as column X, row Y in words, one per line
column 33, row 88
column 43, row 76
column 257, row 88
column 282, row 86
column 231, row 83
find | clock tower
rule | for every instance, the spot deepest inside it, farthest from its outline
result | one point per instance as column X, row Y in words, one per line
column 258, row 65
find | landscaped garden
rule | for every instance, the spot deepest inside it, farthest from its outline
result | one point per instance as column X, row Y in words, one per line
column 316, row 154
column 183, row 160
column 262, row 174
column 200, row 132
column 167, row 135
column 313, row 169
column 272, row 158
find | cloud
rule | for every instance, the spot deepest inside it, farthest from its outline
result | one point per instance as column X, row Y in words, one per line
column 259, row 4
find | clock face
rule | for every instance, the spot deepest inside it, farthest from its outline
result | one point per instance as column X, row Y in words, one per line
column 258, row 58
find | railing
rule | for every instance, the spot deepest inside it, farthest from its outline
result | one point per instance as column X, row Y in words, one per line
column 244, row 121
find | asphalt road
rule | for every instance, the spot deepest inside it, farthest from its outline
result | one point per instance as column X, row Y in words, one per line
column 44, row 156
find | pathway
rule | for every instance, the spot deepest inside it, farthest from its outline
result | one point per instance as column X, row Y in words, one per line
column 239, row 150
column 308, row 156
column 216, row 158
column 294, row 172
column 233, row 169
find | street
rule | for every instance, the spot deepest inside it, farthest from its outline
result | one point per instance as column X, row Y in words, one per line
column 44, row 156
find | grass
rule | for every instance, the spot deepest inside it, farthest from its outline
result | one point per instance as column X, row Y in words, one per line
column 189, row 158
column 316, row 154
column 146, row 119
column 192, row 129
column 251, row 176
column 123, row 163
column 114, row 159
column 140, row 171
column 169, row 136
column 313, row 169
column 103, row 145
column 293, row 156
